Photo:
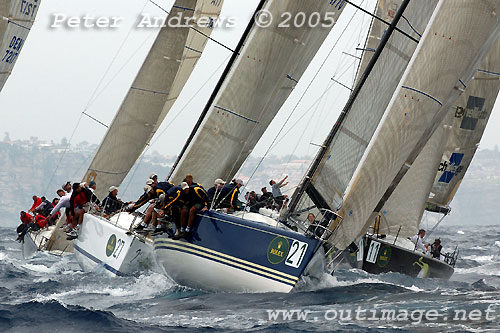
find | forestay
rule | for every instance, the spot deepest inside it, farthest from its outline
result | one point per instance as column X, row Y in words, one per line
column 448, row 54
column 268, row 68
column 357, row 129
column 470, row 116
column 159, row 82
column 16, row 20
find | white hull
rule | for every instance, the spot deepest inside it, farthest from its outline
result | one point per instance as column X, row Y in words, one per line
column 200, row 273
column 105, row 243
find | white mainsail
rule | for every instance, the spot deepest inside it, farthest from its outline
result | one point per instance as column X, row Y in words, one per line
column 471, row 114
column 16, row 19
column 159, row 82
column 357, row 129
column 447, row 56
column 459, row 135
column 271, row 63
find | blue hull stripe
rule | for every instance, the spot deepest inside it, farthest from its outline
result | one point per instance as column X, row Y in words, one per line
column 189, row 251
column 226, row 258
column 97, row 261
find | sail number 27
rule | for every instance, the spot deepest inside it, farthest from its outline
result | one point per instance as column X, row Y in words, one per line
column 296, row 254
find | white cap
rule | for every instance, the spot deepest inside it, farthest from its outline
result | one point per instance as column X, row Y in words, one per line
column 150, row 182
column 239, row 181
column 162, row 197
column 112, row 188
column 147, row 188
column 184, row 185
column 153, row 175
column 219, row 181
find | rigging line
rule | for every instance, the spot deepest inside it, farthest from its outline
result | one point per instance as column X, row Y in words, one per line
column 82, row 113
column 306, row 112
column 91, row 100
column 302, row 97
column 95, row 119
column 140, row 47
column 306, row 181
column 366, row 43
column 198, row 31
column 412, row 28
column 150, row 144
column 14, row 23
column 63, row 154
column 218, row 87
column 382, row 20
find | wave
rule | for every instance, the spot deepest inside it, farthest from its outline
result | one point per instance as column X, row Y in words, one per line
column 42, row 316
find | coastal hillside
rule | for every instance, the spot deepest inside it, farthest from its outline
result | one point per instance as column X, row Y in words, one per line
column 29, row 167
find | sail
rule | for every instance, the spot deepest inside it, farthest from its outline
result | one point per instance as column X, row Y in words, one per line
column 446, row 57
column 471, row 114
column 403, row 211
column 386, row 10
column 354, row 134
column 164, row 73
column 16, row 20
column 268, row 68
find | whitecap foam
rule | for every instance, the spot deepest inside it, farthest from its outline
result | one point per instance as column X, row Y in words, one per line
column 460, row 232
column 482, row 259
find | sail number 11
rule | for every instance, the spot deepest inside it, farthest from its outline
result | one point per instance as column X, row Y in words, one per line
column 296, row 254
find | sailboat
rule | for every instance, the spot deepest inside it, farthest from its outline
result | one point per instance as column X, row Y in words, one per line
column 227, row 253
column 246, row 252
column 109, row 241
column 16, row 19
column 387, row 248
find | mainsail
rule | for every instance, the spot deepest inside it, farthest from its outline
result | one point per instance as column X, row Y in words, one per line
column 471, row 114
column 268, row 68
column 156, row 87
column 16, row 20
column 457, row 135
column 446, row 58
column 349, row 142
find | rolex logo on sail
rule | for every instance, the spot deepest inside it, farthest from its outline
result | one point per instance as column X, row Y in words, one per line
column 277, row 250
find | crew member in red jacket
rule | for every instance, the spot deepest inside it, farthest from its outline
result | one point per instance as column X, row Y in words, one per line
column 78, row 205
column 36, row 202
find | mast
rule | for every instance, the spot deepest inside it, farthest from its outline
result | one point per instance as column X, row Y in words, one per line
column 306, row 185
column 228, row 68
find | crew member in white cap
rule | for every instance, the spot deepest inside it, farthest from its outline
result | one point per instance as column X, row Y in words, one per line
column 111, row 203
column 214, row 191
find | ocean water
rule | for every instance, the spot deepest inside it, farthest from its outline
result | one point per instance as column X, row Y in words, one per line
column 52, row 294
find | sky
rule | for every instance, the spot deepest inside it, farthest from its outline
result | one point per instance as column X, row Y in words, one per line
column 63, row 72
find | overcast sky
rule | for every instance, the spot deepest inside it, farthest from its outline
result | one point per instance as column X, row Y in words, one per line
column 62, row 72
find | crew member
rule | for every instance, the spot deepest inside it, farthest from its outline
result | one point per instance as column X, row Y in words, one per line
column 196, row 200
column 229, row 195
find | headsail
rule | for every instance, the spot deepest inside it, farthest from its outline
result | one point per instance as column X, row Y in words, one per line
column 350, row 140
column 403, row 211
column 457, row 135
column 269, row 66
column 156, row 87
column 471, row 115
column 447, row 56
column 16, row 20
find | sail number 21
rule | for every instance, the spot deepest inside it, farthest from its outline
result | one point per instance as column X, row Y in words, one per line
column 296, row 254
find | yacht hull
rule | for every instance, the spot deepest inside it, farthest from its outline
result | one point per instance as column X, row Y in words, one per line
column 231, row 254
column 110, row 245
column 380, row 256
